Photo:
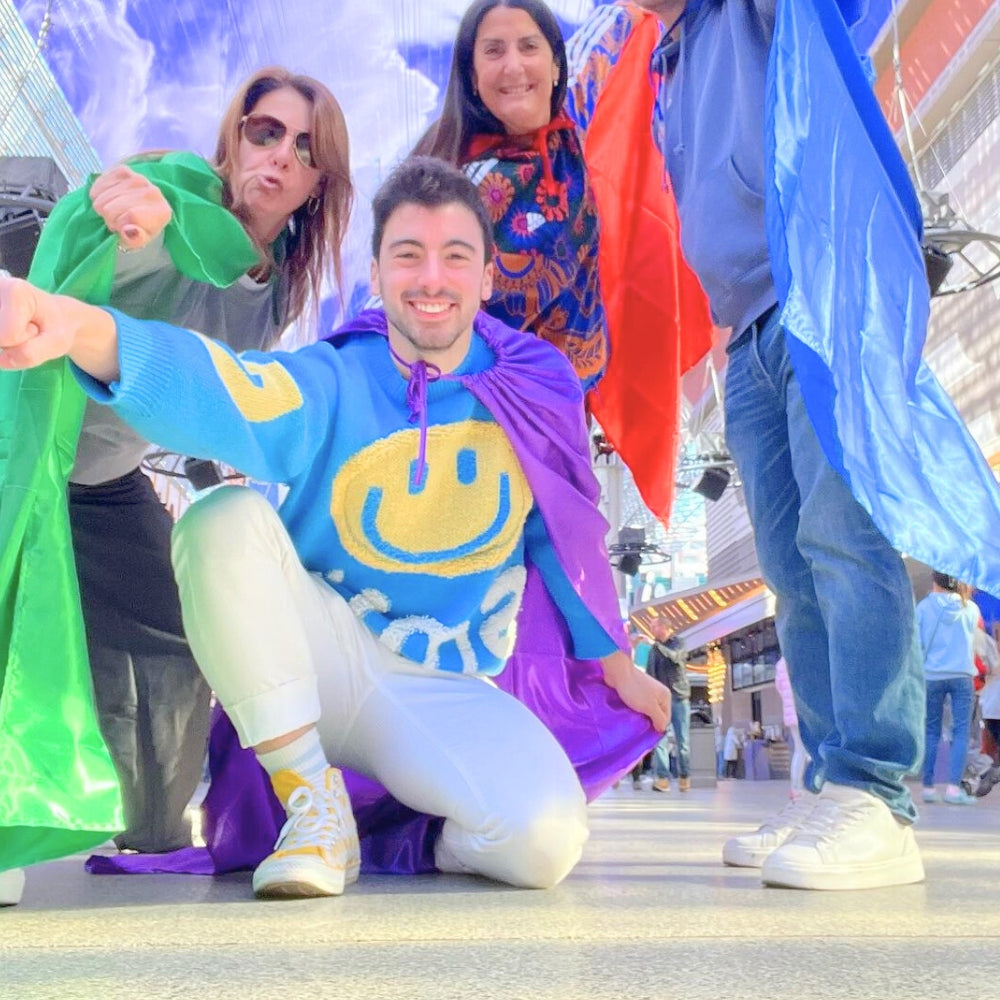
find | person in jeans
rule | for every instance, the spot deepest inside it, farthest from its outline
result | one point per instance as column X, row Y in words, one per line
column 808, row 252
column 668, row 664
column 947, row 622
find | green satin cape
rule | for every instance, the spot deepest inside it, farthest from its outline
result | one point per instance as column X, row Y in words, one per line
column 58, row 789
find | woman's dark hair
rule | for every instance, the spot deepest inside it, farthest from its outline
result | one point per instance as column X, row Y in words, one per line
column 464, row 114
column 430, row 183
column 944, row 581
column 320, row 224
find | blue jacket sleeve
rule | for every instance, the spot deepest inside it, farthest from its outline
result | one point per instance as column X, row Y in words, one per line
column 590, row 641
column 264, row 414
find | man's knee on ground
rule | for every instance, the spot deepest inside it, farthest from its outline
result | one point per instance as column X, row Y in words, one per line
column 538, row 848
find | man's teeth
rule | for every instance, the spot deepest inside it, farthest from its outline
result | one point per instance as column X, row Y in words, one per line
column 428, row 307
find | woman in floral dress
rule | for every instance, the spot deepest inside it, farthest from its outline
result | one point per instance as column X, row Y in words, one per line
column 504, row 123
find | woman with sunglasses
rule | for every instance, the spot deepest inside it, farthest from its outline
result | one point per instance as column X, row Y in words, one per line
column 239, row 248
column 282, row 157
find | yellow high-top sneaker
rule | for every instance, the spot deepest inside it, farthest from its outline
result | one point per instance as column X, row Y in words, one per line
column 317, row 851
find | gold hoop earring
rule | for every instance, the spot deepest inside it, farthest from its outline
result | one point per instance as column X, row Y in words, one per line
column 312, row 205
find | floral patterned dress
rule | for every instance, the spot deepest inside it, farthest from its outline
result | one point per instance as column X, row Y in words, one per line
column 546, row 240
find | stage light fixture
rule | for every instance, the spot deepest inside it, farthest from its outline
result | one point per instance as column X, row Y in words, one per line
column 628, row 552
column 937, row 263
column 629, row 563
column 29, row 189
column 713, row 482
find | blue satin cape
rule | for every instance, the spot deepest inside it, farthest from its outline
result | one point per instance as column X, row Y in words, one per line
column 843, row 228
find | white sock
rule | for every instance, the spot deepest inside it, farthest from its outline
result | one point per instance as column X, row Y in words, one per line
column 304, row 755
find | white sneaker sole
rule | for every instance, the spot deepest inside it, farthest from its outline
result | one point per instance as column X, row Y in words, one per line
column 11, row 886
column 900, row 871
column 740, row 856
column 300, row 878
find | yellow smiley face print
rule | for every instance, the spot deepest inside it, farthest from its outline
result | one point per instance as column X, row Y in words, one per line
column 465, row 517
column 262, row 392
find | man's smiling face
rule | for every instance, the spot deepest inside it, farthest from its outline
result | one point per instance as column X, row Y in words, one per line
column 432, row 276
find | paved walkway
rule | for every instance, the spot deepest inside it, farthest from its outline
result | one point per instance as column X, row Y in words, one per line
column 649, row 913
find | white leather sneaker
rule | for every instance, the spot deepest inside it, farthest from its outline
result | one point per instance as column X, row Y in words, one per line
column 750, row 849
column 850, row 840
column 11, row 886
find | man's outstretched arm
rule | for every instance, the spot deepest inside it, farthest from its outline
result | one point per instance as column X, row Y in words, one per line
column 265, row 414
column 37, row 326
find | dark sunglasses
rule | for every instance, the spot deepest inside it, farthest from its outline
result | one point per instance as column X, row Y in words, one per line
column 263, row 130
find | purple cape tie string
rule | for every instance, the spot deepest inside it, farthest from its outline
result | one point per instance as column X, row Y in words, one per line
column 421, row 373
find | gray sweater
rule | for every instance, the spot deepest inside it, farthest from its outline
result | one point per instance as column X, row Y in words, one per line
column 712, row 109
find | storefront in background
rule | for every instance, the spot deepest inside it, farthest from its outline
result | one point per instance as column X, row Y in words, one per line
column 729, row 633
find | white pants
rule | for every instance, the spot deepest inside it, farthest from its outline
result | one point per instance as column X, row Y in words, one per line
column 282, row 650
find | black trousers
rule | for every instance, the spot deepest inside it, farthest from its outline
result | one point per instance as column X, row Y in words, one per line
column 152, row 701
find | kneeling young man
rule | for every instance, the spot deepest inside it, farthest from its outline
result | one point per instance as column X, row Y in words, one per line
column 358, row 625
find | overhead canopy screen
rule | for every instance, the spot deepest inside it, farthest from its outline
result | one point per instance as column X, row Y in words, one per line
column 146, row 74
column 149, row 74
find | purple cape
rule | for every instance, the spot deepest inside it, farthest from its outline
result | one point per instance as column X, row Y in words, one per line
column 534, row 396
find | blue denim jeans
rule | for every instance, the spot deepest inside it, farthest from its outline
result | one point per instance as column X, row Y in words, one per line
column 845, row 616
column 680, row 719
column 961, row 692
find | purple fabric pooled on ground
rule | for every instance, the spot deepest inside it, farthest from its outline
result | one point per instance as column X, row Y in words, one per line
column 243, row 818
column 187, row 861
column 541, row 411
